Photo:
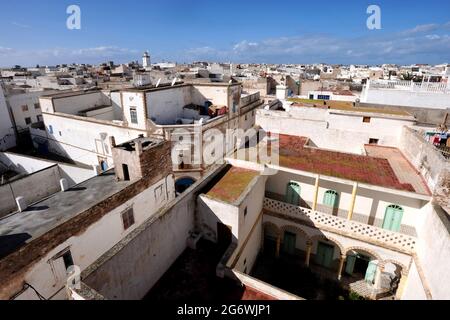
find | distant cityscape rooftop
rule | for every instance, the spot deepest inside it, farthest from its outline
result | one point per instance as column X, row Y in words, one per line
column 344, row 106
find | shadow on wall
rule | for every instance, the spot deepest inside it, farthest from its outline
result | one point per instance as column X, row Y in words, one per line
column 11, row 243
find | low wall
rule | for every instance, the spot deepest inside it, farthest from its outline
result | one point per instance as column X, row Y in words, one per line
column 425, row 157
column 433, row 252
column 33, row 188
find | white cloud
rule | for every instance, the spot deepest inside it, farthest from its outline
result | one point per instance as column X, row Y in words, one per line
column 422, row 28
column 9, row 56
column 433, row 37
column 410, row 46
column 20, row 25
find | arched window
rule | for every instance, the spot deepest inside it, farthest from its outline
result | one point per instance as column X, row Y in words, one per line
column 393, row 218
column 331, row 199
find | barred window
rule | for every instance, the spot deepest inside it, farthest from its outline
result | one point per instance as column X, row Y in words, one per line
column 128, row 218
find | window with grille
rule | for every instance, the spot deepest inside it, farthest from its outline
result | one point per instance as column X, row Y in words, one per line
column 133, row 115
column 128, row 218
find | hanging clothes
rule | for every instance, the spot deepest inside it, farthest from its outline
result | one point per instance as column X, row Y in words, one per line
column 436, row 140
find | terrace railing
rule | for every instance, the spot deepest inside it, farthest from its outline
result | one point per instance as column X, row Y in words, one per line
column 361, row 231
column 250, row 99
column 425, row 87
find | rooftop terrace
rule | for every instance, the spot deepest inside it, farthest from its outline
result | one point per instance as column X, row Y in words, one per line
column 21, row 228
column 375, row 171
column 344, row 106
column 233, row 184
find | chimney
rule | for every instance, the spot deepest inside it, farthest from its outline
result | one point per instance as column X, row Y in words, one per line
column 64, row 185
column 112, row 141
column 138, row 146
column 21, row 204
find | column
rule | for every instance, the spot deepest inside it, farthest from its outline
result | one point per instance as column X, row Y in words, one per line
column 341, row 266
column 316, row 193
column 308, row 252
column 401, row 286
column 378, row 274
column 352, row 203
column 277, row 253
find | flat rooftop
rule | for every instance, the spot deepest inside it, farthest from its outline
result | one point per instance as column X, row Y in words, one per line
column 71, row 93
column 296, row 155
column 22, row 227
column 232, row 184
column 344, row 106
column 147, row 143
column 404, row 170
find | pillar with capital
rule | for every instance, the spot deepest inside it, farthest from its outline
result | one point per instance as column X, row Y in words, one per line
column 401, row 286
column 277, row 253
column 341, row 266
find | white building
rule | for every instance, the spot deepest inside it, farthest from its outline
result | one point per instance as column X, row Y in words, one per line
column 332, row 95
column 78, row 124
column 380, row 238
column 26, row 108
column 146, row 63
column 7, row 134
column 336, row 127
column 407, row 93
column 102, row 210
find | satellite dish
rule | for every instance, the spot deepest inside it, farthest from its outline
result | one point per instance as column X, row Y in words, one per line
column 159, row 81
column 174, row 81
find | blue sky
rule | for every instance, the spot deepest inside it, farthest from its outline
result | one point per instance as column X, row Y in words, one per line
column 267, row 31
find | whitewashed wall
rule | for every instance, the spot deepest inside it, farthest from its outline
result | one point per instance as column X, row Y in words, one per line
column 84, row 141
column 105, row 233
column 345, row 133
column 370, row 205
column 7, row 136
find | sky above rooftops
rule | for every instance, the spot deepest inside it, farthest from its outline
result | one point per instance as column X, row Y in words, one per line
column 262, row 31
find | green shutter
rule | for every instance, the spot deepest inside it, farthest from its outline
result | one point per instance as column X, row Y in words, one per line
column 324, row 256
column 331, row 199
column 293, row 193
column 393, row 218
column 289, row 243
column 350, row 265
column 371, row 271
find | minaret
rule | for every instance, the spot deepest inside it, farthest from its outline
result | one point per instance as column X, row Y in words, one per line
column 146, row 60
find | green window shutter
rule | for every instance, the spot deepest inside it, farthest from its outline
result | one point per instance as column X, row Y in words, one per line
column 293, row 193
column 371, row 271
column 289, row 243
column 350, row 265
column 324, row 256
column 393, row 218
column 331, row 199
